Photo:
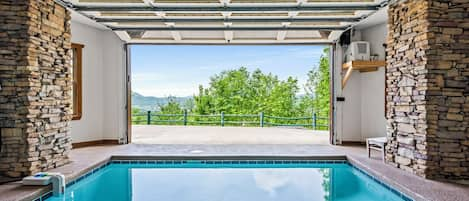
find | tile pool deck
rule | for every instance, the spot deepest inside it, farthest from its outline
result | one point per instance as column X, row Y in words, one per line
column 84, row 159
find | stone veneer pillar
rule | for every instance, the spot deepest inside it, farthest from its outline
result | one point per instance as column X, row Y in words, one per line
column 427, row 88
column 35, row 86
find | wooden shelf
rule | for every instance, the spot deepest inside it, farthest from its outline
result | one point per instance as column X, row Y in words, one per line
column 362, row 66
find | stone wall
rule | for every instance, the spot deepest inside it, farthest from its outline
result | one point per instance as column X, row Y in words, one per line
column 35, row 86
column 427, row 88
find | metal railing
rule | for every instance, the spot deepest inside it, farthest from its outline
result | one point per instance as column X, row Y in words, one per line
column 315, row 121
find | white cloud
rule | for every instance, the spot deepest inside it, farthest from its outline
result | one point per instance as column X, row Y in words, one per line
column 270, row 181
column 150, row 77
column 166, row 91
column 304, row 53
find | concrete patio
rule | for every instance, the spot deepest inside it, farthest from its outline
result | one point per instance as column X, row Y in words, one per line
column 154, row 134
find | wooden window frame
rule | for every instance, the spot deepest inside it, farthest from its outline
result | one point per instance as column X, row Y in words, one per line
column 77, row 80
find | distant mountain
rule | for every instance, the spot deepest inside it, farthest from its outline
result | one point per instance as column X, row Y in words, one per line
column 152, row 103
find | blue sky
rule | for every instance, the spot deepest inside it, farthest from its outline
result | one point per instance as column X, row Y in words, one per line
column 178, row 70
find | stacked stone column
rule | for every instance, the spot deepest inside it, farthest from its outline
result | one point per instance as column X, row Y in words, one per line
column 427, row 88
column 35, row 86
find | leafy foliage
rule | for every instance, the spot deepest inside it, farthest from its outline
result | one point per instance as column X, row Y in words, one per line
column 138, row 117
column 317, row 88
column 171, row 107
column 241, row 92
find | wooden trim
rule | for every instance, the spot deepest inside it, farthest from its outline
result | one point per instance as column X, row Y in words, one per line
column 77, row 99
column 94, row 143
column 77, row 45
column 346, row 77
column 353, row 143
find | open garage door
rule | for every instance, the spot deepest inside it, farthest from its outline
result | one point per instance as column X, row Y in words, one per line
column 237, row 94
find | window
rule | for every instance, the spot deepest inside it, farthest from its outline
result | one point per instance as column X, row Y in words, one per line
column 76, row 80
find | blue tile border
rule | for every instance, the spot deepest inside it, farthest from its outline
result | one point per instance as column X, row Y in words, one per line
column 234, row 162
column 73, row 181
column 217, row 162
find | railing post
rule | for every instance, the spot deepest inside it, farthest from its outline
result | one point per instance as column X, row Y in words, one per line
column 222, row 118
column 261, row 119
column 315, row 118
column 185, row 117
column 148, row 117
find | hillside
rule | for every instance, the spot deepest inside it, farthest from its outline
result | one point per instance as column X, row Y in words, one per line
column 146, row 103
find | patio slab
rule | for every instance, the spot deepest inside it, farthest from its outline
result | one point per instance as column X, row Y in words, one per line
column 84, row 159
column 155, row 134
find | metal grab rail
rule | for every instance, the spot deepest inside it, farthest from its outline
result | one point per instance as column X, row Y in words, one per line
column 315, row 122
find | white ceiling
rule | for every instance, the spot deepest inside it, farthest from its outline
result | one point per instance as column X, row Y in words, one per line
column 227, row 21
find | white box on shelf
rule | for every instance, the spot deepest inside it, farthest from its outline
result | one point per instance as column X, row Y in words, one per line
column 358, row 51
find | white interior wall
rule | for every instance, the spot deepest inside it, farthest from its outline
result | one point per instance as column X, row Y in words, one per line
column 114, row 82
column 90, row 126
column 352, row 109
column 372, row 85
column 362, row 114
column 103, row 64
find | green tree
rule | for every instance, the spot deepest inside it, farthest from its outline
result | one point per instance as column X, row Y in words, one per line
column 241, row 92
column 171, row 107
column 188, row 105
column 326, row 182
column 138, row 117
column 317, row 88
column 282, row 98
column 203, row 102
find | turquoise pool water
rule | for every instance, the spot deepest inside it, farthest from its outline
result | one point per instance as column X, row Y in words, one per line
column 232, row 181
